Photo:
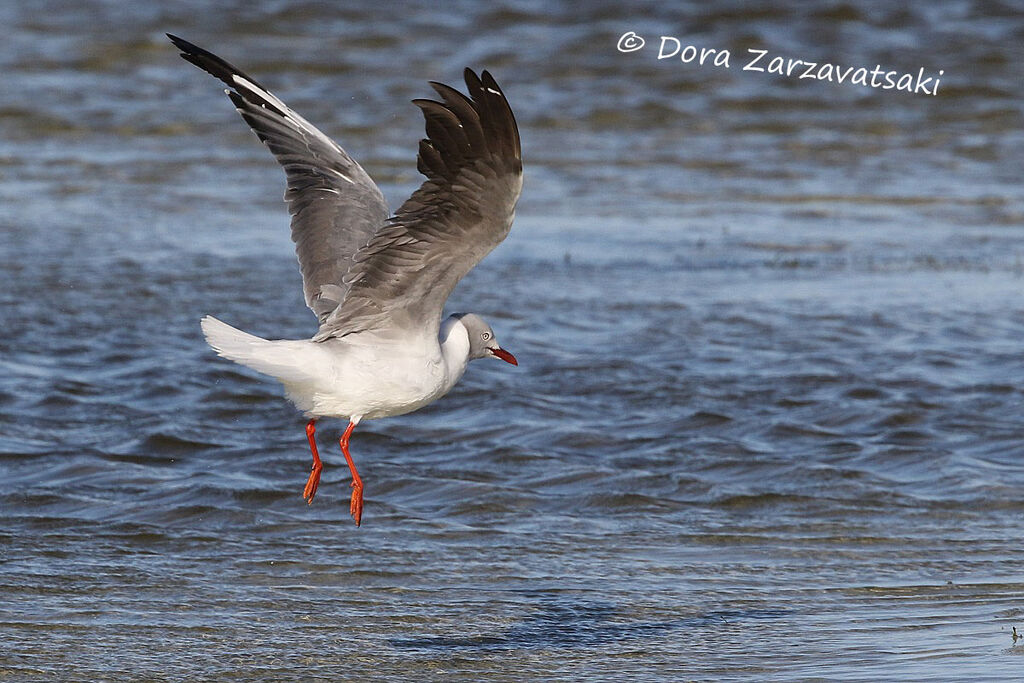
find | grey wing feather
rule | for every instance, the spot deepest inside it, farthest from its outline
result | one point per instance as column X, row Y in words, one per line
column 473, row 163
column 335, row 206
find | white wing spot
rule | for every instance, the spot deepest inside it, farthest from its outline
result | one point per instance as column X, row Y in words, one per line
column 252, row 87
column 342, row 176
column 248, row 85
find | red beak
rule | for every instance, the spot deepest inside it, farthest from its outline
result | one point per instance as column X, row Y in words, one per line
column 505, row 356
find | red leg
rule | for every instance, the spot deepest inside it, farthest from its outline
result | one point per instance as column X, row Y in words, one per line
column 314, row 476
column 356, row 505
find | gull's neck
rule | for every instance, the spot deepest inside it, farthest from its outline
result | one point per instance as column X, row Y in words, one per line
column 454, row 338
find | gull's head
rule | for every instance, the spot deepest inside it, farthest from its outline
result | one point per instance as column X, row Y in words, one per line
column 482, row 343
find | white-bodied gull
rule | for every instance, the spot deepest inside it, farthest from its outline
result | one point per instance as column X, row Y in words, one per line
column 378, row 282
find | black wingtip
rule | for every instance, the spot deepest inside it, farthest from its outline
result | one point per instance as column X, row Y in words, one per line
column 488, row 80
column 182, row 44
column 471, row 79
column 228, row 73
column 463, row 125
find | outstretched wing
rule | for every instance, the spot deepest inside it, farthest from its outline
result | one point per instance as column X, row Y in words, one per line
column 335, row 206
column 473, row 163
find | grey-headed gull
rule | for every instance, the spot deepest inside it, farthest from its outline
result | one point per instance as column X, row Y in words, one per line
column 378, row 282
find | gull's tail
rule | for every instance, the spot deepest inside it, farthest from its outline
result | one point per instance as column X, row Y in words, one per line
column 280, row 359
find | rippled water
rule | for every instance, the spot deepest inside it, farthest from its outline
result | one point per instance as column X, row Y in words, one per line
column 767, row 419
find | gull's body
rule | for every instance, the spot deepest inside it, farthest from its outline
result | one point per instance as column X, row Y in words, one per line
column 378, row 282
column 362, row 376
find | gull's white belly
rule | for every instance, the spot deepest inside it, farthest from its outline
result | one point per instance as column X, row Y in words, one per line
column 368, row 381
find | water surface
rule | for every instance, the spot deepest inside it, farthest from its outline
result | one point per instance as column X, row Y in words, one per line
column 767, row 418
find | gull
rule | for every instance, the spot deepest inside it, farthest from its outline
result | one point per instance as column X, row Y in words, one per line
column 376, row 281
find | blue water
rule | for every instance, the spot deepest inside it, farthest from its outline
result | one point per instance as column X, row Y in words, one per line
column 767, row 418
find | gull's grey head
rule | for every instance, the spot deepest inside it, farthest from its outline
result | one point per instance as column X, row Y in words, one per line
column 482, row 343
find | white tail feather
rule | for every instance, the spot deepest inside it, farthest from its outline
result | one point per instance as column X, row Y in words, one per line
column 280, row 359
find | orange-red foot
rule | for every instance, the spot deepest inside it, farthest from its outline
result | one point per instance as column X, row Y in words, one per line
column 312, row 483
column 355, row 506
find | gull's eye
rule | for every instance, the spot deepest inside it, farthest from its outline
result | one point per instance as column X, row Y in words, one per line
column 486, row 336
